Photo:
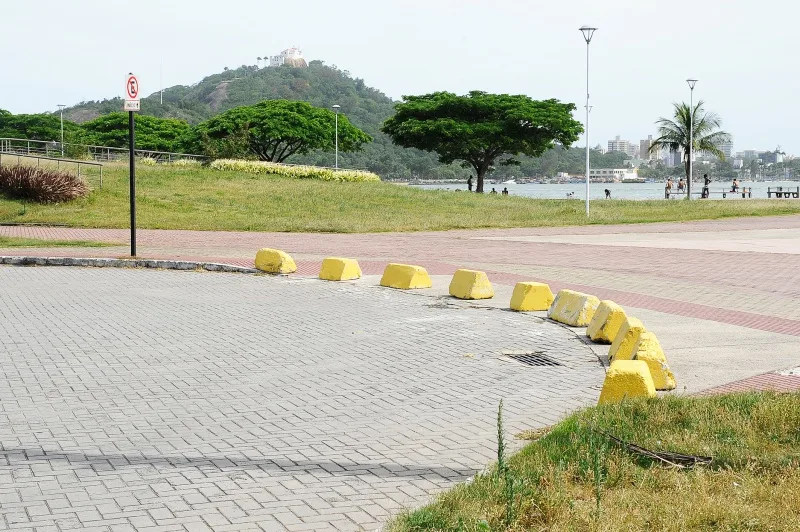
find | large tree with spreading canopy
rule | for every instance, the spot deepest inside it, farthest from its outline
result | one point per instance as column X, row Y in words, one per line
column 480, row 129
column 274, row 130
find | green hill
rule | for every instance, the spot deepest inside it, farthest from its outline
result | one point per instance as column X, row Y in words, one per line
column 320, row 85
column 324, row 86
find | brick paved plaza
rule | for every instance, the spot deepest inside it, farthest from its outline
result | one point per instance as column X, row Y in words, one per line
column 164, row 400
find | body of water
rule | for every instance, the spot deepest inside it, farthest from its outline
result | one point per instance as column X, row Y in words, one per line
column 637, row 191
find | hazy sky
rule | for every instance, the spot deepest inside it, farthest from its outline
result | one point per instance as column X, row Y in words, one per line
column 743, row 52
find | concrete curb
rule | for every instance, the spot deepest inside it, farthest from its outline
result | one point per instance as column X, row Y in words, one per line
column 124, row 263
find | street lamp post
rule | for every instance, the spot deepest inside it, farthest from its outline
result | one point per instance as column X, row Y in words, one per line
column 588, row 33
column 61, row 109
column 336, row 108
column 692, row 83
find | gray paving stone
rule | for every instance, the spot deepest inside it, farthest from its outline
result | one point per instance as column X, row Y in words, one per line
column 165, row 400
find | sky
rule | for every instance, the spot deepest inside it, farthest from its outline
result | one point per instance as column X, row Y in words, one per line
column 742, row 53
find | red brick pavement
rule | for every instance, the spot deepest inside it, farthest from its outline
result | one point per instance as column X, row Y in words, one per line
column 768, row 381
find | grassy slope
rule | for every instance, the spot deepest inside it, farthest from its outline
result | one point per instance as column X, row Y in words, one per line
column 17, row 242
column 196, row 198
column 752, row 484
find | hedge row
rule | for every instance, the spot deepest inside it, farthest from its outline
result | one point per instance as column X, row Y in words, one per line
column 297, row 172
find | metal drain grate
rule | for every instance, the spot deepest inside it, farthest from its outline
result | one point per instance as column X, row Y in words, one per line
column 534, row 358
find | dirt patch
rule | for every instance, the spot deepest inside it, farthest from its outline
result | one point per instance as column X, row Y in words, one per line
column 219, row 95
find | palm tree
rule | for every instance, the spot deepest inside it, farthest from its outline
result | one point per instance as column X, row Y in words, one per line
column 674, row 134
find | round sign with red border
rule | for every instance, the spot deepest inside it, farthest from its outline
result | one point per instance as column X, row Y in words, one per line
column 132, row 88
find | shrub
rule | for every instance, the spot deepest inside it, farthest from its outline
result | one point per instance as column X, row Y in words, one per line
column 186, row 163
column 297, row 172
column 41, row 185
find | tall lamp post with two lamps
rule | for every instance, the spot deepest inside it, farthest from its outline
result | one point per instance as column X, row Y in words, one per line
column 692, row 83
column 588, row 33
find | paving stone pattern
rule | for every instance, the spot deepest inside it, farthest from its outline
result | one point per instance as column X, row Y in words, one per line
column 166, row 400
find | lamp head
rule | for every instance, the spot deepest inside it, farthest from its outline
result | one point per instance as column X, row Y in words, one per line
column 588, row 32
column 691, row 83
column 337, row 107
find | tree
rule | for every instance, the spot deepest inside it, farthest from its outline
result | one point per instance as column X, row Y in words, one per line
column 152, row 133
column 674, row 134
column 479, row 128
column 274, row 130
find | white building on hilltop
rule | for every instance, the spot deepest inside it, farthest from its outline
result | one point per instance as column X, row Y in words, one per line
column 291, row 57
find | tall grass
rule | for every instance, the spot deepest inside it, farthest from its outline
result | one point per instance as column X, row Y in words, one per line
column 205, row 199
column 43, row 185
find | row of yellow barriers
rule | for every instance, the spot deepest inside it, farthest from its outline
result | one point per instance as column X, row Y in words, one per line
column 637, row 368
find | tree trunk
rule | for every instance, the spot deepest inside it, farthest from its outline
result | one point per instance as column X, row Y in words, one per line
column 479, row 185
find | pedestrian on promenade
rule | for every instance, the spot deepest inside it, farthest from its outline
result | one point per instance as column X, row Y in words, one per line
column 681, row 185
column 493, row 191
column 735, row 185
column 668, row 188
column 608, row 194
column 505, row 191
column 706, row 182
column 469, row 184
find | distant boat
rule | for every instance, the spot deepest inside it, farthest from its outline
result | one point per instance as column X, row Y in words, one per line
column 633, row 180
column 509, row 182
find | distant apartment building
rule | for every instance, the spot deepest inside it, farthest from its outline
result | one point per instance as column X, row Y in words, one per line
column 644, row 149
column 750, row 154
column 674, row 158
column 771, row 157
column 622, row 145
column 727, row 149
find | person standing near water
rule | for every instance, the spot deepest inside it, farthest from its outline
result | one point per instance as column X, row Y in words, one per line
column 668, row 188
column 469, row 184
column 706, row 182
column 681, row 185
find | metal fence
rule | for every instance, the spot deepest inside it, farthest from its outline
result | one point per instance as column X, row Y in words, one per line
column 95, row 153
column 9, row 156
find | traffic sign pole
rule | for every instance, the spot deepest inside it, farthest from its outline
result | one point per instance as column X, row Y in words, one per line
column 132, row 103
column 131, row 147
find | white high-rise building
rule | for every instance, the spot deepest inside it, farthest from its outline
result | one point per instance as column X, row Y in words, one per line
column 622, row 145
column 727, row 149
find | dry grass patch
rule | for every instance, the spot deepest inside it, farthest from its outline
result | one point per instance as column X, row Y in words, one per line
column 574, row 478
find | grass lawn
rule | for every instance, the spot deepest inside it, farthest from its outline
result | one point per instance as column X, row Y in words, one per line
column 204, row 199
column 17, row 242
column 574, row 478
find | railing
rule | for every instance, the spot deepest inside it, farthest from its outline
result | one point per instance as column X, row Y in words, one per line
column 96, row 153
column 59, row 161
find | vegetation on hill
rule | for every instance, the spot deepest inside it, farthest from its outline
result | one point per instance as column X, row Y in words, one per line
column 274, row 130
column 322, row 86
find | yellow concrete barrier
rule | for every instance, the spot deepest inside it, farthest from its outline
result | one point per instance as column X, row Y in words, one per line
column 274, row 261
column 606, row 322
column 627, row 379
column 573, row 308
column 622, row 348
column 338, row 269
column 405, row 276
column 471, row 284
column 648, row 349
column 531, row 296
